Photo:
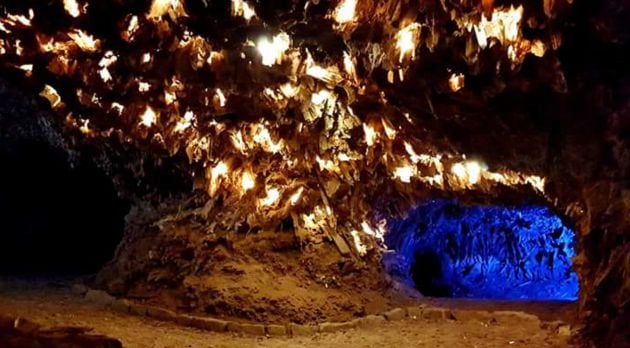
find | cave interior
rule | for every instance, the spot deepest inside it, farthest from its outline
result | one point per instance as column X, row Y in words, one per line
column 173, row 152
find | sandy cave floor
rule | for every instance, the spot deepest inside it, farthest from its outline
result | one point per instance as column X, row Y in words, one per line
column 52, row 303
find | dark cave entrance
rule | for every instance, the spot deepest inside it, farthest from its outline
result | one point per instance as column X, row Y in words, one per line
column 444, row 248
column 56, row 218
column 427, row 274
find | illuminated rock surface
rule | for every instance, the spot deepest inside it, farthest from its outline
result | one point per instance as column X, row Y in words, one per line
column 452, row 250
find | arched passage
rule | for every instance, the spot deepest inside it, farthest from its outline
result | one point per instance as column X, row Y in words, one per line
column 447, row 249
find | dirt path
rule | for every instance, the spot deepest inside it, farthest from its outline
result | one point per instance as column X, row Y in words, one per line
column 57, row 305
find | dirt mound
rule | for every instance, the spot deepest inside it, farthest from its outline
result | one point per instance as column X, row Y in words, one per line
column 263, row 277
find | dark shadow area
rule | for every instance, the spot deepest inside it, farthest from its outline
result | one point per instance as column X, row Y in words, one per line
column 447, row 249
column 55, row 219
column 427, row 274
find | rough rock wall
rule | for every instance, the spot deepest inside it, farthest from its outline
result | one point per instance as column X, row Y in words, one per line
column 604, row 264
column 481, row 251
column 23, row 119
column 590, row 164
column 58, row 211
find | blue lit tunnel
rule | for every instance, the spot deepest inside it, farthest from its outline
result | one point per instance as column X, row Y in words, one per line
column 446, row 249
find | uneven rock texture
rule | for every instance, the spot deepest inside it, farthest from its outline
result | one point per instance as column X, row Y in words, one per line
column 449, row 249
column 592, row 166
column 604, row 263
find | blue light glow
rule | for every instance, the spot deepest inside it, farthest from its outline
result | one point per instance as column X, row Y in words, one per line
column 445, row 248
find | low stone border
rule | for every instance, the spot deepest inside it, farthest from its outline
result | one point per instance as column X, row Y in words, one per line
column 415, row 312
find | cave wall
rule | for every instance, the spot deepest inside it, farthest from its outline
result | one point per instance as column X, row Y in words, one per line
column 59, row 213
column 604, row 264
column 485, row 251
column 590, row 166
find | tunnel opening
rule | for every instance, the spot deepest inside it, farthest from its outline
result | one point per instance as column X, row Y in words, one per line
column 445, row 248
column 427, row 274
column 58, row 217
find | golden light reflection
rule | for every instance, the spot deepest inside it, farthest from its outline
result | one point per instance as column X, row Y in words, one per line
column 321, row 97
column 143, row 86
column 85, row 41
column 404, row 174
column 119, row 108
column 15, row 19
column 132, row 28
column 108, row 59
column 238, row 142
column 185, row 122
column 388, row 127
column 272, row 51
column 85, row 126
column 456, row 82
column 289, row 90
column 315, row 221
column 248, row 181
column 370, row 135
column 273, row 195
column 295, row 197
column 159, row 8
column 326, row 164
column 242, row 8
column 468, row 172
column 221, row 96
column 345, row 11
column 262, row 137
column 406, row 41
column 538, row 48
column 219, row 171
column 148, row 117
column 370, row 231
column 358, row 244
column 28, row 68
column 51, row 95
column 349, row 67
column 504, row 25
column 72, row 7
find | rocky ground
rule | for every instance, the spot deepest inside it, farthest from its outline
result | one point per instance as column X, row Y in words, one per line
column 54, row 304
